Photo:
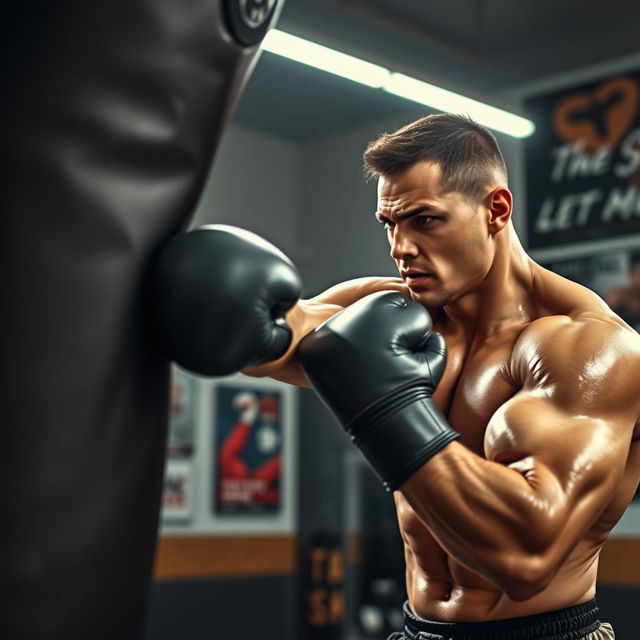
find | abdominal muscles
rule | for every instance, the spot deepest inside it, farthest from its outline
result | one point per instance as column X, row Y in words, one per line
column 440, row 588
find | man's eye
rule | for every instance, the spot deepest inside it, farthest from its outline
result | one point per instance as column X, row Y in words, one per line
column 422, row 220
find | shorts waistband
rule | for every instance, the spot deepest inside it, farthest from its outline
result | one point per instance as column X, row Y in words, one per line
column 572, row 623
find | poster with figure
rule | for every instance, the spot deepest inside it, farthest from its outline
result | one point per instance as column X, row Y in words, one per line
column 181, row 415
column 248, row 450
column 614, row 276
column 177, row 492
column 583, row 162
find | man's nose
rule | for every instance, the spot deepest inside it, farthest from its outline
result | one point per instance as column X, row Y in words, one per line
column 402, row 246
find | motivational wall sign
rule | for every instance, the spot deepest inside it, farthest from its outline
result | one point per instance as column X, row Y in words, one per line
column 583, row 163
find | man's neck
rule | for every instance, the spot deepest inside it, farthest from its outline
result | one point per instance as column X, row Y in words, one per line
column 504, row 297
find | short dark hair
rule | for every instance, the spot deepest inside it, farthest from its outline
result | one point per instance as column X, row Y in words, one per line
column 467, row 153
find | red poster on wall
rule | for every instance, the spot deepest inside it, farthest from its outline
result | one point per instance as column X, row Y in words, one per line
column 248, row 450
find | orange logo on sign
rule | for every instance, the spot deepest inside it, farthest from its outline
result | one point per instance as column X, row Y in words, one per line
column 599, row 119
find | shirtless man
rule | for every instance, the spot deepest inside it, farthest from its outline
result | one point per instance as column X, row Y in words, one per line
column 511, row 463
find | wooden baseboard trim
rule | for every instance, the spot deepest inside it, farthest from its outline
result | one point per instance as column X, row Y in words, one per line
column 620, row 562
column 201, row 557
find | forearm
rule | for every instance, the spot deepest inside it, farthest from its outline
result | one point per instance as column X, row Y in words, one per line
column 488, row 516
column 302, row 318
column 307, row 314
column 346, row 293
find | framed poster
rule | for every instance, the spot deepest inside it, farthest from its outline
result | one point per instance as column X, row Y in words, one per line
column 583, row 162
column 614, row 276
column 248, row 444
column 181, row 415
column 177, row 492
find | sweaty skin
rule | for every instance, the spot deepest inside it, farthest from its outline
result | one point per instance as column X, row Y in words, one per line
column 307, row 314
column 542, row 384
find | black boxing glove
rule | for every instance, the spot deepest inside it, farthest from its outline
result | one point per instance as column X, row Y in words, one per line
column 376, row 365
column 220, row 297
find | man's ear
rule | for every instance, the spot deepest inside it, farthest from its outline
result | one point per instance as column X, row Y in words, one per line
column 499, row 203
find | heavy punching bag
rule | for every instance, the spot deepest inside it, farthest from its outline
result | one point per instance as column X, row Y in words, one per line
column 111, row 112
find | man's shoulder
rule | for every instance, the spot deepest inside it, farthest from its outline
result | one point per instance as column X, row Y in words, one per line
column 586, row 320
column 582, row 345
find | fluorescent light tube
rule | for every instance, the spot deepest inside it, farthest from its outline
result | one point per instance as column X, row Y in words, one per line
column 326, row 59
column 377, row 77
column 444, row 100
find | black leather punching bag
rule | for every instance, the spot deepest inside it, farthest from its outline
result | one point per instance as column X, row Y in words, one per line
column 110, row 113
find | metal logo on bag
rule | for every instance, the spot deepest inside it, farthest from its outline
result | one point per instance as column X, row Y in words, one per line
column 249, row 20
column 256, row 12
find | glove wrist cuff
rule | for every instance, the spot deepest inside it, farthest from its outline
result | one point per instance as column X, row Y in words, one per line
column 400, row 433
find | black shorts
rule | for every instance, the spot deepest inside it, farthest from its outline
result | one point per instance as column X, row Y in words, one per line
column 574, row 623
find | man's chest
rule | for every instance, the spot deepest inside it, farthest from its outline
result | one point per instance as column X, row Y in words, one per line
column 478, row 380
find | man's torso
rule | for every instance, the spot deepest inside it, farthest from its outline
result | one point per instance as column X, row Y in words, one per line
column 479, row 379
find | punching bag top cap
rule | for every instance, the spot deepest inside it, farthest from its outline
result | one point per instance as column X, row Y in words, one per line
column 248, row 20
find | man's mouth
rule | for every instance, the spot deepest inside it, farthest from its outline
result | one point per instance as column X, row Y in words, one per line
column 416, row 277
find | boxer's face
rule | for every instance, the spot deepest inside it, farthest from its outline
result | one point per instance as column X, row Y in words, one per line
column 439, row 241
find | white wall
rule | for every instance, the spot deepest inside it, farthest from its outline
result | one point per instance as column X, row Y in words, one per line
column 253, row 184
column 204, row 466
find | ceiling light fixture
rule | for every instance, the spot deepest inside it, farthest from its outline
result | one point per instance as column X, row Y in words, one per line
column 321, row 57
column 377, row 77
